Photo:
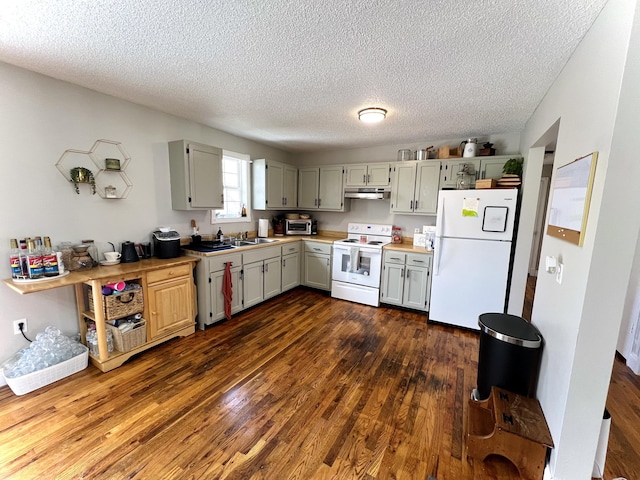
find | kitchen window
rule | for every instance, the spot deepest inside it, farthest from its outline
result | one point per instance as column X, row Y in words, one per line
column 236, row 185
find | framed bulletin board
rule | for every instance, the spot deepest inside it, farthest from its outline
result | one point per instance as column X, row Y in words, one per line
column 570, row 199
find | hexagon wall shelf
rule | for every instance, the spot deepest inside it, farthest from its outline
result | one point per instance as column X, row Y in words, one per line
column 110, row 183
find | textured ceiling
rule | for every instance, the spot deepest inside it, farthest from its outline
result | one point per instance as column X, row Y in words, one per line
column 294, row 73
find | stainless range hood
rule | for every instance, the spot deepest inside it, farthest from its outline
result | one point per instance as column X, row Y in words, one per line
column 367, row 193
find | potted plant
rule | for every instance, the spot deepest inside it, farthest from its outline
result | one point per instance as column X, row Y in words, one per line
column 82, row 175
column 513, row 166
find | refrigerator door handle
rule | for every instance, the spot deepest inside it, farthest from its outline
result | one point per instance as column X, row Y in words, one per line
column 440, row 217
column 437, row 254
column 439, row 229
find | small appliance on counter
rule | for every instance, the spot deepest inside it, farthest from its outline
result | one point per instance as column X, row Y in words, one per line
column 297, row 226
column 129, row 253
column 314, row 227
column 166, row 243
column 263, row 227
column 278, row 226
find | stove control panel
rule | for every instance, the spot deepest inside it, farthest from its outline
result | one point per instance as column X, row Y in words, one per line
column 369, row 229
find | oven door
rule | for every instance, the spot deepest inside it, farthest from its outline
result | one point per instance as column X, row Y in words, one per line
column 357, row 265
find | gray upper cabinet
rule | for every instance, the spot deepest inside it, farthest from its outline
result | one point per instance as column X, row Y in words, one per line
column 367, row 175
column 274, row 185
column 450, row 169
column 415, row 187
column 491, row 167
column 321, row 188
column 482, row 167
column 196, row 176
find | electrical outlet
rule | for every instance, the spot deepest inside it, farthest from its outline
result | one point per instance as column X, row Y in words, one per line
column 16, row 326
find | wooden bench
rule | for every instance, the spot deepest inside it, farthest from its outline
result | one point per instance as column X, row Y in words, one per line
column 512, row 426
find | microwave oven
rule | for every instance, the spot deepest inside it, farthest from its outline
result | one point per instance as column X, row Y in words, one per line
column 298, row 227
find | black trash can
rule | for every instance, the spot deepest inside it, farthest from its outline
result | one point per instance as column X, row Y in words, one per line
column 509, row 355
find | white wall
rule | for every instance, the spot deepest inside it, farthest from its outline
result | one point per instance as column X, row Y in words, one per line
column 580, row 318
column 40, row 119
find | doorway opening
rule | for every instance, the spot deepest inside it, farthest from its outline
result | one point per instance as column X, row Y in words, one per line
column 548, row 141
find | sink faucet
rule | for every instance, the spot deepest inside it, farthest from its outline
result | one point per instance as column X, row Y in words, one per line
column 240, row 236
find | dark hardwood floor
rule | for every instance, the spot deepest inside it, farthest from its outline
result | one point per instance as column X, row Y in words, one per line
column 303, row 386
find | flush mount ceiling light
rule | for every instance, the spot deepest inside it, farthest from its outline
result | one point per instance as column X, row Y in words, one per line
column 372, row 115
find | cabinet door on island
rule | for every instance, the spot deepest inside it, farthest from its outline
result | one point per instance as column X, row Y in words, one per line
column 171, row 294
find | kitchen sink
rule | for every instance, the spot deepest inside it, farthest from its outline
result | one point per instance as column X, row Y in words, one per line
column 206, row 247
column 255, row 241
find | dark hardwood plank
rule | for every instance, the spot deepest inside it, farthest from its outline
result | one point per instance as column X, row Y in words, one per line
column 303, row 386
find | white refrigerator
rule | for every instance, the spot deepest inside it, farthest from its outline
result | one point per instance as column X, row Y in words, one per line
column 472, row 254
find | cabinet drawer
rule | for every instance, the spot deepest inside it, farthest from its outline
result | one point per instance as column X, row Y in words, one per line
column 394, row 257
column 291, row 248
column 168, row 273
column 317, row 247
column 260, row 254
column 217, row 263
column 419, row 259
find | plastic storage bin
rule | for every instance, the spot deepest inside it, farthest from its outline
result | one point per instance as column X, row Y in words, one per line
column 34, row 380
column 509, row 354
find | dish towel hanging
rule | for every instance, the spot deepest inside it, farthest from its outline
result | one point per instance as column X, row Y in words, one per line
column 227, row 290
column 354, row 254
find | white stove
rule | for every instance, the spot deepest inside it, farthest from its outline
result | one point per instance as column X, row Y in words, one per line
column 357, row 263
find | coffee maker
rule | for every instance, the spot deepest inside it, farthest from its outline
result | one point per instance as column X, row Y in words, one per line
column 314, row 226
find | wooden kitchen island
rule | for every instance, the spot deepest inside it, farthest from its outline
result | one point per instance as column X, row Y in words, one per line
column 168, row 292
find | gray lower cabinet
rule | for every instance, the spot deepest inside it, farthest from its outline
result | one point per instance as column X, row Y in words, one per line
column 290, row 266
column 209, row 281
column 406, row 279
column 253, row 283
column 217, row 282
column 272, row 277
column 262, row 275
column 256, row 275
column 317, row 265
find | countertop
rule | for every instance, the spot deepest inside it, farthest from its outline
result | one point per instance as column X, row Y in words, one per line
column 406, row 247
column 112, row 272
column 322, row 238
